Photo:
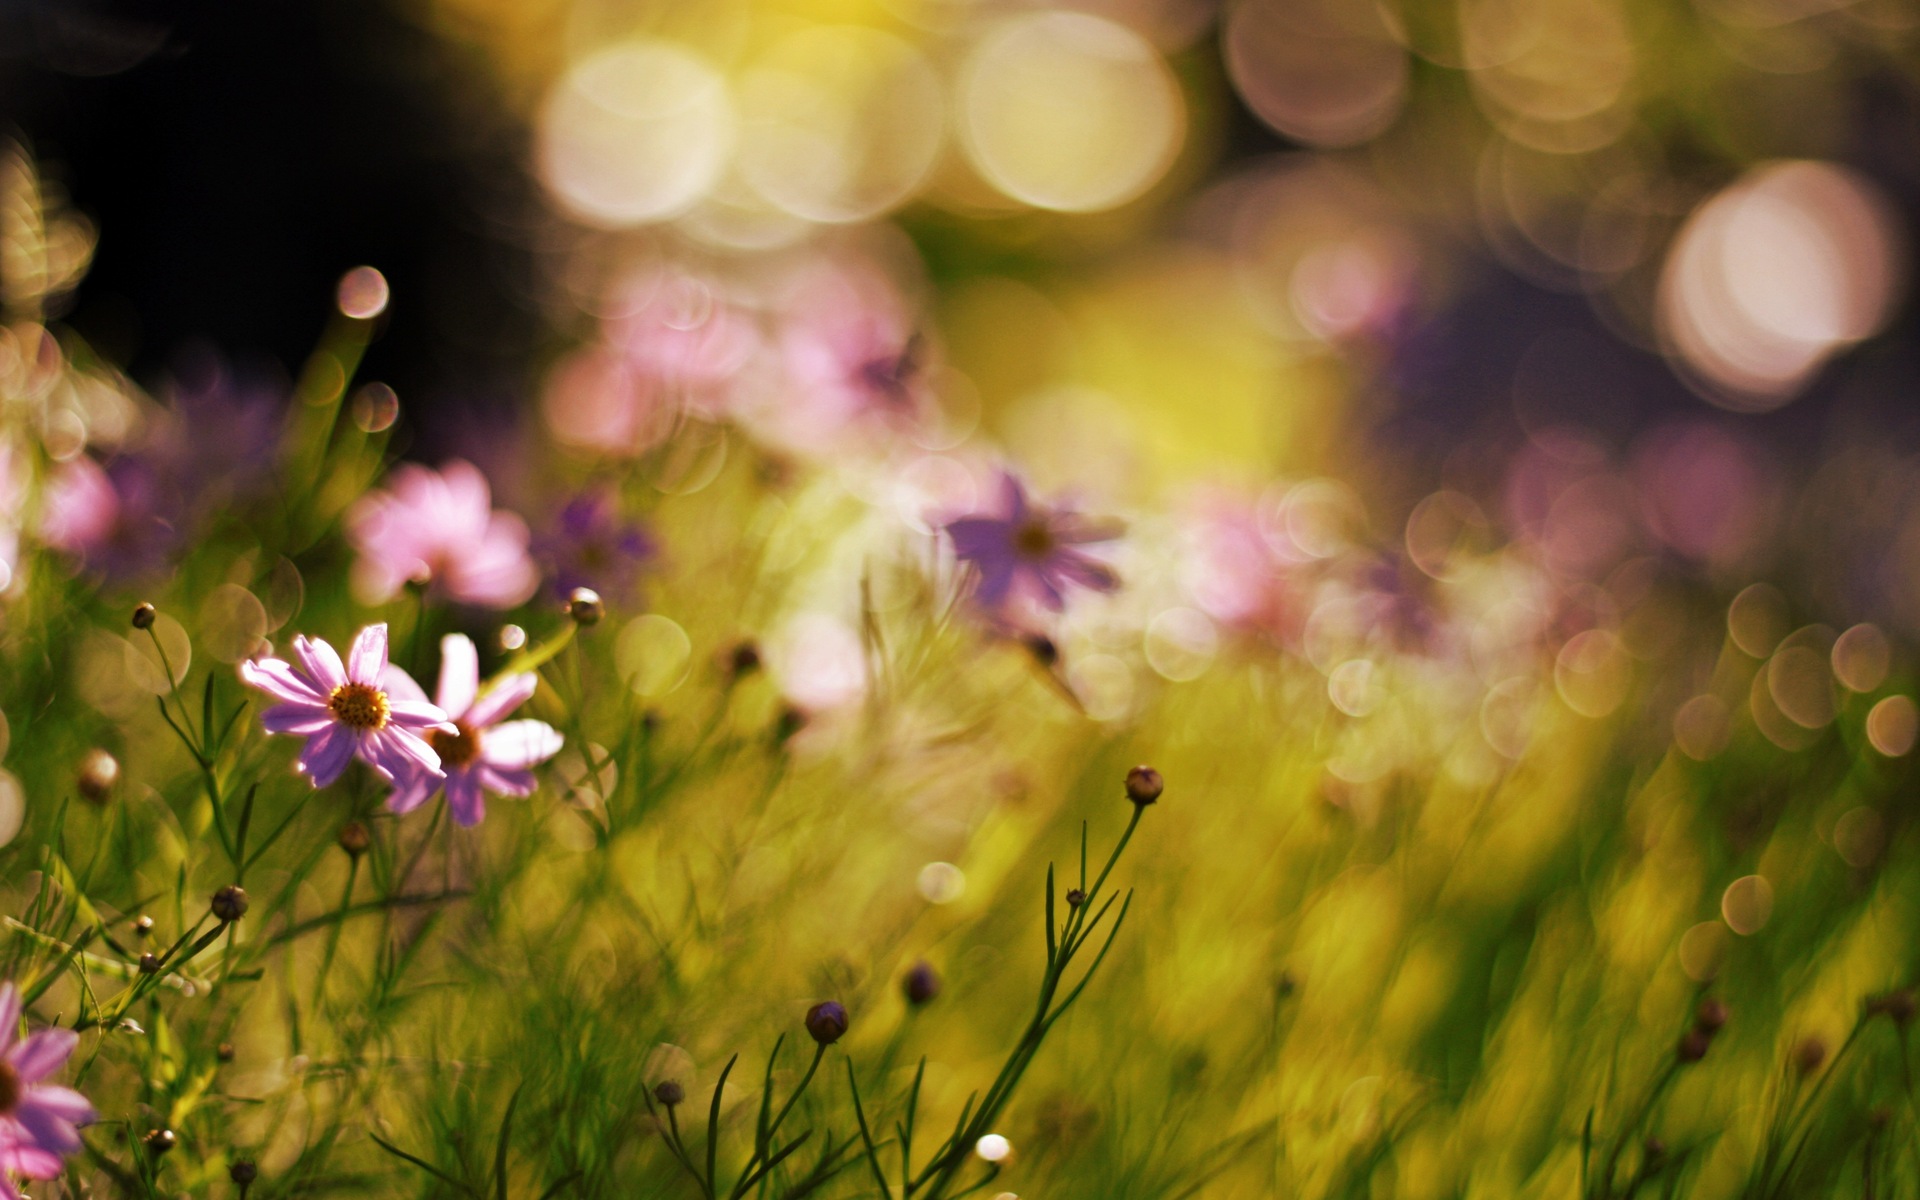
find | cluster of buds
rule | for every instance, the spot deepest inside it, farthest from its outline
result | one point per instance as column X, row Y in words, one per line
column 1709, row 1019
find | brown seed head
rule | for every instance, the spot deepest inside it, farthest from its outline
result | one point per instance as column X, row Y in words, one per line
column 1144, row 785
column 354, row 838
column 230, row 903
column 99, row 772
column 585, row 606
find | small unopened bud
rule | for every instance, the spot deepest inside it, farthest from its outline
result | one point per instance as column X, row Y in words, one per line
column 669, row 1093
column 142, row 925
column 1808, row 1054
column 230, row 903
column 744, row 660
column 1144, row 785
column 1043, row 649
column 790, row 722
column 1711, row 1017
column 1075, row 897
column 827, row 1022
column 585, row 606
column 1693, row 1046
column 224, row 1052
column 159, row 1141
column 99, row 772
column 922, row 983
column 354, row 838
column 243, row 1172
column 149, row 964
column 143, row 616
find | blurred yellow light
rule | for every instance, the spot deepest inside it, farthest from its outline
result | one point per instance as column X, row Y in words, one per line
column 1068, row 111
column 635, row 133
column 839, row 123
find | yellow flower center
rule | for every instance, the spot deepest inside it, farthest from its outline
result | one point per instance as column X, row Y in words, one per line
column 359, row 705
column 11, row 1089
column 1033, row 540
column 456, row 749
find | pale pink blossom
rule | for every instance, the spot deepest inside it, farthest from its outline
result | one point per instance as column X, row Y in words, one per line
column 439, row 528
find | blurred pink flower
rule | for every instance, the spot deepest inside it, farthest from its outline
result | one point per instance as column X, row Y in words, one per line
column 852, row 361
column 78, row 506
column 349, row 709
column 479, row 754
column 680, row 333
column 37, row 1120
column 1235, row 575
column 1027, row 553
column 440, row 527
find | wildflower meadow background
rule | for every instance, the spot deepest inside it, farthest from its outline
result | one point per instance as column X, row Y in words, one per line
column 937, row 598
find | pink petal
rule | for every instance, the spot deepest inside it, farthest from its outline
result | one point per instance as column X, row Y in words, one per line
column 327, row 754
column 25, row 1158
column 504, row 782
column 519, row 744
column 506, row 695
column 321, row 661
column 464, row 799
column 368, row 655
column 41, row 1054
column 414, row 714
column 397, row 753
column 414, row 790
column 459, row 674
column 302, row 717
column 43, row 1127
column 397, row 684
column 279, row 679
column 65, row 1103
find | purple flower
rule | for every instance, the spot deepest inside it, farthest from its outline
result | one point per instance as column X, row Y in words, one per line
column 347, row 710
column 37, row 1120
column 479, row 754
column 591, row 545
column 440, row 527
column 1030, row 553
column 121, row 520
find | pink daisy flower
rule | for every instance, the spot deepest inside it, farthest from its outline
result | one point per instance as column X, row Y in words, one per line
column 440, row 527
column 37, row 1120
column 479, row 754
column 1030, row 553
column 347, row 710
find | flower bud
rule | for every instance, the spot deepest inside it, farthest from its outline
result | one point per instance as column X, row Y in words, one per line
column 224, row 1052
column 149, row 963
column 99, row 772
column 744, row 660
column 669, row 1093
column 1808, row 1054
column 790, row 722
column 827, row 1022
column 1711, row 1016
column 1044, row 650
column 230, row 903
column 159, row 1141
column 1897, row 1006
column 142, row 925
column 243, row 1172
column 354, row 838
column 585, row 606
column 1693, row 1046
column 1144, row 785
column 143, row 616
column 1075, row 897
column 922, row 983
